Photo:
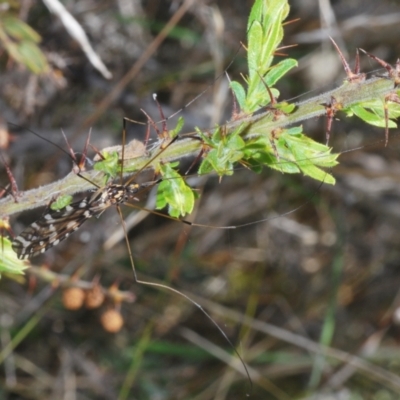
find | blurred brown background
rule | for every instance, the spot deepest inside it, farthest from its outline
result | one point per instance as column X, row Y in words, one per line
column 327, row 272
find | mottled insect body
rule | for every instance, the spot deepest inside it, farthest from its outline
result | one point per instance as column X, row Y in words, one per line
column 56, row 225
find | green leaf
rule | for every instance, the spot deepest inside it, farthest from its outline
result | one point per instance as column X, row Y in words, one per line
column 310, row 155
column 261, row 97
column 296, row 130
column 20, row 41
column 260, row 152
column 264, row 34
column 375, row 116
column 256, row 13
column 291, row 152
column 225, row 151
column 32, row 57
column 174, row 192
column 9, row 263
column 270, row 16
column 279, row 70
column 179, row 125
column 255, row 41
column 110, row 165
column 240, row 93
column 18, row 29
column 61, row 202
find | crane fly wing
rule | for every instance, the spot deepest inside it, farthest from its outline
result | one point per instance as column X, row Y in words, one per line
column 56, row 225
column 53, row 227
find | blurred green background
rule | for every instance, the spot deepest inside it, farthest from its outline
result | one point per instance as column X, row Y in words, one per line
column 324, row 269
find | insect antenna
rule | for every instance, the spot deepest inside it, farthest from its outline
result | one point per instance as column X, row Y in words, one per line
column 71, row 154
column 41, row 137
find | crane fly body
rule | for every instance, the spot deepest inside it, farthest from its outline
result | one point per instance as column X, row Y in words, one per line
column 56, row 225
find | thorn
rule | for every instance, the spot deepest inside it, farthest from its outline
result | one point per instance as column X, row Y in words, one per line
column 384, row 64
column 393, row 97
column 355, row 76
column 81, row 164
column 196, row 160
column 82, row 161
column 165, row 133
column 235, row 114
column 278, row 53
column 150, row 122
column 272, row 99
column 292, row 21
column 357, row 64
column 71, row 152
column 147, row 136
column 273, row 102
column 274, row 137
column 98, row 156
column 386, row 113
column 276, row 114
column 13, row 183
column 394, row 73
column 331, row 109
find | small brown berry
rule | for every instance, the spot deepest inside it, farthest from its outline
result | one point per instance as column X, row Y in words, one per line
column 94, row 297
column 73, row 298
column 112, row 321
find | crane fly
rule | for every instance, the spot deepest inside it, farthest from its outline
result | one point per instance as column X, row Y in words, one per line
column 56, row 225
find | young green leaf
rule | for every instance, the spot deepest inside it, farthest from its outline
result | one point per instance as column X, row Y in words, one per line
column 61, row 202
column 9, row 263
column 225, row 151
column 291, row 152
column 179, row 125
column 372, row 112
column 309, row 156
column 174, row 192
column 109, row 165
column 264, row 34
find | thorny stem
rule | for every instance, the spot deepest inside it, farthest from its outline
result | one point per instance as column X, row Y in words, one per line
column 346, row 95
column 259, row 124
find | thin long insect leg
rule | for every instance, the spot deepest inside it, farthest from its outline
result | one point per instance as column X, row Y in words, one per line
column 161, row 286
